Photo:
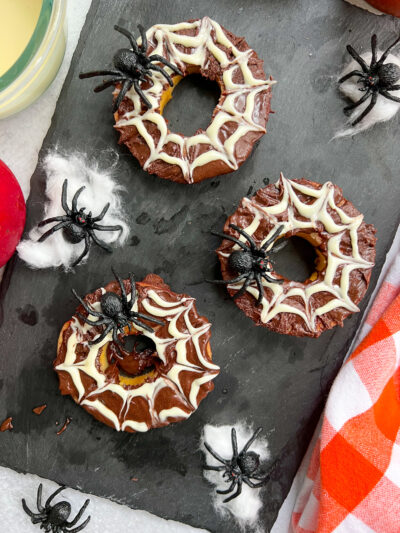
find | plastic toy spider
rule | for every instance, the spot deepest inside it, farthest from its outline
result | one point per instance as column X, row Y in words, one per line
column 116, row 312
column 251, row 262
column 376, row 78
column 132, row 66
column 55, row 518
column 242, row 468
column 78, row 225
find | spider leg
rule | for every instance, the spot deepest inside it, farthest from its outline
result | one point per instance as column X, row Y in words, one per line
column 88, row 309
column 374, row 98
column 79, row 528
column 161, row 59
column 117, row 341
column 103, row 212
column 103, row 245
column 393, row 88
column 53, row 219
column 260, row 288
column 245, row 235
column 93, row 322
column 38, row 519
column 278, row 247
column 269, row 279
column 231, row 238
column 276, row 233
column 94, row 73
column 85, row 251
column 129, row 35
column 78, row 516
column 133, row 289
column 253, row 485
column 237, row 493
column 141, row 94
column 161, row 71
column 227, row 281
column 52, row 230
column 356, row 104
column 121, row 286
column 216, row 468
column 107, row 84
column 144, row 38
column 263, row 477
column 230, row 489
column 252, row 439
column 389, row 96
column 216, row 456
column 141, row 324
column 234, row 443
column 358, row 58
column 75, row 198
column 28, row 511
column 241, row 291
column 150, row 318
column 39, row 498
column 386, row 52
column 99, row 227
column 374, row 42
column 64, row 203
column 52, row 496
column 124, row 89
column 351, row 74
column 102, row 336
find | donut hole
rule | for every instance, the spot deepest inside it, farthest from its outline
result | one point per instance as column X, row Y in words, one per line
column 194, row 101
column 139, row 356
column 139, row 343
column 298, row 260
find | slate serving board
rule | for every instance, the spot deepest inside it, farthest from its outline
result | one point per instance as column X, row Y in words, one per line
column 275, row 381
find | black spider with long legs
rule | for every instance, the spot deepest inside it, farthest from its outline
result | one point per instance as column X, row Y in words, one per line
column 116, row 312
column 376, row 78
column 243, row 467
column 251, row 262
column 132, row 66
column 78, row 225
column 54, row 518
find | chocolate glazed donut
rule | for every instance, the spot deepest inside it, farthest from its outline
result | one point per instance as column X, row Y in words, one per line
column 239, row 119
column 345, row 252
column 168, row 391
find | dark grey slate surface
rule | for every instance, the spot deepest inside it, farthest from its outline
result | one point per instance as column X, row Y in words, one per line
column 270, row 380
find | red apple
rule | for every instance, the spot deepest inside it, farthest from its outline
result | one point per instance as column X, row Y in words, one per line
column 12, row 213
column 392, row 7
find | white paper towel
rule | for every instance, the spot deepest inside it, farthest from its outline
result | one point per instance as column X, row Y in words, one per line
column 106, row 516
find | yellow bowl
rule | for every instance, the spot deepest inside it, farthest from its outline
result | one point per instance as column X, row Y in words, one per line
column 39, row 62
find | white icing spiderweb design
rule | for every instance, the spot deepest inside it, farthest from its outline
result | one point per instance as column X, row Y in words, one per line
column 185, row 402
column 336, row 280
column 209, row 36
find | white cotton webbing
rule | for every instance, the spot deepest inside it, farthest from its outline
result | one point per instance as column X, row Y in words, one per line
column 246, row 507
column 383, row 110
column 101, row 188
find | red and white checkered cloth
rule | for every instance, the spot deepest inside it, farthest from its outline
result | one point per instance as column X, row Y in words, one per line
column 352, row 482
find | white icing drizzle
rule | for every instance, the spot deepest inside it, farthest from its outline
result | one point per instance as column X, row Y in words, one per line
column 209, row 33
column 313, row 213
column 157, row 306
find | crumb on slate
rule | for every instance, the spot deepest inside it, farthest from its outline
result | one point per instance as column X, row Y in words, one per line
column 7, row 424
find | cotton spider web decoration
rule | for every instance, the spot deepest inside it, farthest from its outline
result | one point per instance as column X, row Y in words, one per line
column 372, row 82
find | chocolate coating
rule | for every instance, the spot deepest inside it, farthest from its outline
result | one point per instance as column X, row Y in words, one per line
column 168, row 390
column 292, row 323
column 214, row 70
